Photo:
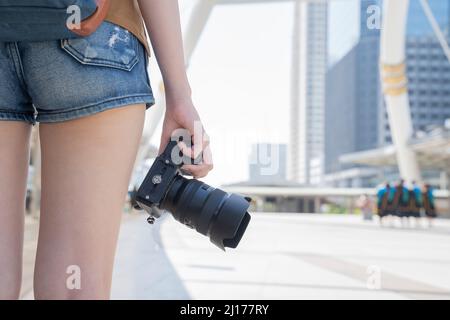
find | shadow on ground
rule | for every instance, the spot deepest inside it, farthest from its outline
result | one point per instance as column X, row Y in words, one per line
column 142, row 268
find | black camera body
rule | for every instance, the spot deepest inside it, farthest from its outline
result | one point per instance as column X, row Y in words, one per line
column 212, row 212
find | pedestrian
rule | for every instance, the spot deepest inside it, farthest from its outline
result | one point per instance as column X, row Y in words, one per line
column 429, row 204
column 366, row 206
column 415, row 202
column 401, row 202
column 385, row 196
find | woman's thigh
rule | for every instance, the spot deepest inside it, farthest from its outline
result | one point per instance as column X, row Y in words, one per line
column 14, row 160
column 86, row 168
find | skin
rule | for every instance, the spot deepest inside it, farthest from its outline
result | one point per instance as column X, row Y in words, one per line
column 14, row 139
column 162, row 20
column 86, row 167
column 81, row 201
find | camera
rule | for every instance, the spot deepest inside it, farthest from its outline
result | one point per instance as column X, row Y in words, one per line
column 221, row 216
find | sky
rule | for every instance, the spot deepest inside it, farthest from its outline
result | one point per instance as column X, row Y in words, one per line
column 240, row 75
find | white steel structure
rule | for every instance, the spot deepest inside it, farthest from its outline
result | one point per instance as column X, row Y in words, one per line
column 395, row 83
column 393, row 61
column 395, row 14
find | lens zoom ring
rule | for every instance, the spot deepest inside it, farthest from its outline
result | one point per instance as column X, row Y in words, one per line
column 210, row 209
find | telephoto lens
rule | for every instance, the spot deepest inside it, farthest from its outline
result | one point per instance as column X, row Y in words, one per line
column 221, row 216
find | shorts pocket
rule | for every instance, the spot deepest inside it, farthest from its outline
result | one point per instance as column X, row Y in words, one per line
column 109, row 46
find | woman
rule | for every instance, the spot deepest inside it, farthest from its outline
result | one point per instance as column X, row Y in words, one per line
column 90, row 97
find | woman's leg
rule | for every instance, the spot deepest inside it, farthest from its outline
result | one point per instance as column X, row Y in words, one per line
column 14, row 160
column 86, row 167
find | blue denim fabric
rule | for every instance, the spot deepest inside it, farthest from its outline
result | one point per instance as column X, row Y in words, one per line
column 56, row 81
column 40, row 20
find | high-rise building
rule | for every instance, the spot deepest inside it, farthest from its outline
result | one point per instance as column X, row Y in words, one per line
column 340, row 111
column 268, row 164
column 306, row 147
column 352, row 106
column 368, row 91
column 418, row 24
column 429, row 88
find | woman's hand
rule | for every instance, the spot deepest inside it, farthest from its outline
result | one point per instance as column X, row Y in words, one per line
column 182, row 114
column 162, row 19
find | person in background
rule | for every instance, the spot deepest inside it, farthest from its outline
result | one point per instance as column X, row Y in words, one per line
column 385, row 200
column 429, row 204
column 415, row 202
column 401, row 201
column 365, row 204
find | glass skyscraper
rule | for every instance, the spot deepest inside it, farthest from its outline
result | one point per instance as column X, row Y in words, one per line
column 418, row 24
column 352, row 107
column 310, row 53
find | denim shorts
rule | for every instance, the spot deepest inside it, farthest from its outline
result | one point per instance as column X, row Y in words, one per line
column 62, row 80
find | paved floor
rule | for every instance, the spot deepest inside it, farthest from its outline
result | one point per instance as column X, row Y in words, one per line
column 282, row 256
column 285, row 256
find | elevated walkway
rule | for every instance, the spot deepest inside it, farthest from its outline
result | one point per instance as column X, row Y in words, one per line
column 282, row 256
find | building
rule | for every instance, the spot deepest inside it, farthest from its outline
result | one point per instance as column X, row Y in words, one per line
column 352, row 106
column 429, row 94
column 418, row 24
column 368, row 91
column 433, row 153
column 310, row 55
column 268, row 164
column 340, row 112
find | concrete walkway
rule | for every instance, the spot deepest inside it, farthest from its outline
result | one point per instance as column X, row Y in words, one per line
column 284, row 256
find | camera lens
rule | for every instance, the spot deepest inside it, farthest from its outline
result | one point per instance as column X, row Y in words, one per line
column 221, row 216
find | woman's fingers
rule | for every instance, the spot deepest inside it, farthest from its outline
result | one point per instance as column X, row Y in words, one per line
column 194, row 144
column 197, row 171
column 207, row 157
column 201, row 141
column 201, row 170
column 198, row 144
